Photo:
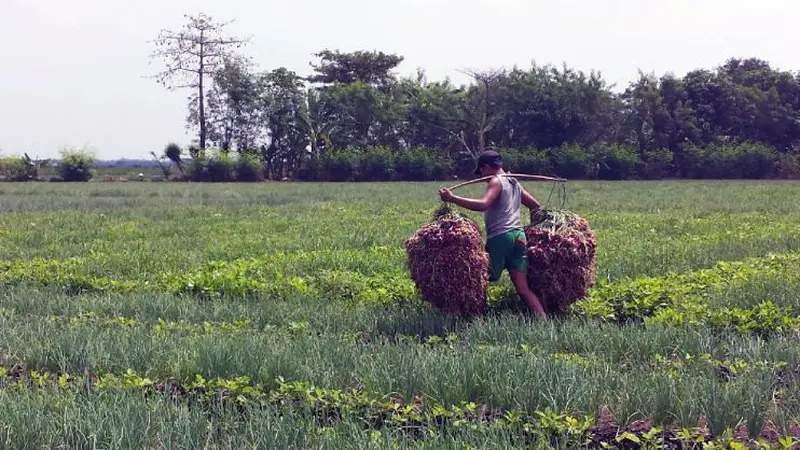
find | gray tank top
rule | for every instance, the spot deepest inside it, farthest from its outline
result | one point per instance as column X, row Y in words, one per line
column 504, row 214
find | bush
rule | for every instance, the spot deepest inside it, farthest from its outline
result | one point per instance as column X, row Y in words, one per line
column 249, row 167
column 615, row 162
column 689, row 162
column 16, row 168
column 756, row 161
column 376, row 164
column 76, row 165
column 310, row 169
column 421, row 164
column 340, row 165
column 463, row 166
column 571, row 161
column 729, row 161
column 217, row 167
column 198, row 168
column 605, row 161
column 173, row 151
column 529, row 161
column 195, row 151
column 655, row 164
column 788, row 166
column 221, row 167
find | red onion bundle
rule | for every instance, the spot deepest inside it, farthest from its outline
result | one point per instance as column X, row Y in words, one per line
column 449, row 264
column 561, row 253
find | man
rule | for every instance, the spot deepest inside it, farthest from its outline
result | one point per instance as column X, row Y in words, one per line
column 505, row 238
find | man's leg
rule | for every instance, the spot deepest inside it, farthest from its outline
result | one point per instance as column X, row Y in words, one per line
column 496, row 259
column 521, row 285
column 517, row 264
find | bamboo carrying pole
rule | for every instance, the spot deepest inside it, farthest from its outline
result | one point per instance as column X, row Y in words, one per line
column 513, row 175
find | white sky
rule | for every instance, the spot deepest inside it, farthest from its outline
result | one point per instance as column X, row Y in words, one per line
column 72, row 72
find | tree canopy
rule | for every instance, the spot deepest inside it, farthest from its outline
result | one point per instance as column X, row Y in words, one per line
column 352, row 107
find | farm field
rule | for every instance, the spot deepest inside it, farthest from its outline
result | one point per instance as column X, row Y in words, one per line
column 275, row 315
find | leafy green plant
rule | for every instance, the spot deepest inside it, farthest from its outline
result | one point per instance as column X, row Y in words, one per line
column 173, row 152
column 18, row 168
column 530, row 161
column 221, row 167
column 249, row 167
column 680, row 298
column 376, row 164
column 378, row 413
column 616, row 162
column 340, row 165
column 76, row 165
column 421, row 164
column 572, row 161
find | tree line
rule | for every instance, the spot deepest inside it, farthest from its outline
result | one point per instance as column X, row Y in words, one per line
column 353, row 118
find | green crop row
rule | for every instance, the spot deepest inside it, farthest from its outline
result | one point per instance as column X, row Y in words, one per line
column 674, row 362
column 239, row 278
column 763, row 319
column 685, row 298
column 676, row 298
column 420, row 418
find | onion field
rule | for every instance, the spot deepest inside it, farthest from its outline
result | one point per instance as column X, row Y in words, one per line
column 282, row 315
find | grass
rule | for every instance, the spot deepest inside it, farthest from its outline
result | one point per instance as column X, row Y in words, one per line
column 329, row 303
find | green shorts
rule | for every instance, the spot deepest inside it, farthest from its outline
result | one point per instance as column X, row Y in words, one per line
column 507, row 251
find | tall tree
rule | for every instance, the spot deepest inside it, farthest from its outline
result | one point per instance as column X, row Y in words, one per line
column 317, row 121
column 360, row 94
column 192, row 53
column 234, row 106
column 433, row 113
column 365, row 115
column 373, row 68
column 283, row 111
column 480, row 110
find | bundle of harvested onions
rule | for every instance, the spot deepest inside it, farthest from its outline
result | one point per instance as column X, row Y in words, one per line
column 449, row 265
column 561, row 254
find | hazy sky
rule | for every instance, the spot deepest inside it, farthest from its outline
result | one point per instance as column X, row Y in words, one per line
column 73, row 71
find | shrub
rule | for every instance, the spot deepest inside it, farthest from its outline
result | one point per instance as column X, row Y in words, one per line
column 249, row 167
column 616, row 162
column 571, row 161
column 421, row 164
column 340, row 165
column 173, row 152
column 729, row 161
column 787, row 166
column 756, row 160
column 198, row 168
column 310, row 169
column 463, row 165
column 210, row 166
column 689, row 162
column 376, row 164
column 195, row 151
column 221, row 167
column 16, row 168
column 76, row 165
column 529, row 161
column 655, row 164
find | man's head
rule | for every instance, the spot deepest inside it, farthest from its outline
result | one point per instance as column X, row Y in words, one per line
column 489, row 163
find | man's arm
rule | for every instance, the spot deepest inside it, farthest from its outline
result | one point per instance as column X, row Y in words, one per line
column 482, row 204
column 530, row 201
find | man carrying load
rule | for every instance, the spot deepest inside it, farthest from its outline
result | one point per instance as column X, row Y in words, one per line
column 505, row 237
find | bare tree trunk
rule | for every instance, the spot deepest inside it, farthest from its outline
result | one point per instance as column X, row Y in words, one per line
column 191, row 53
column 202, row 100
